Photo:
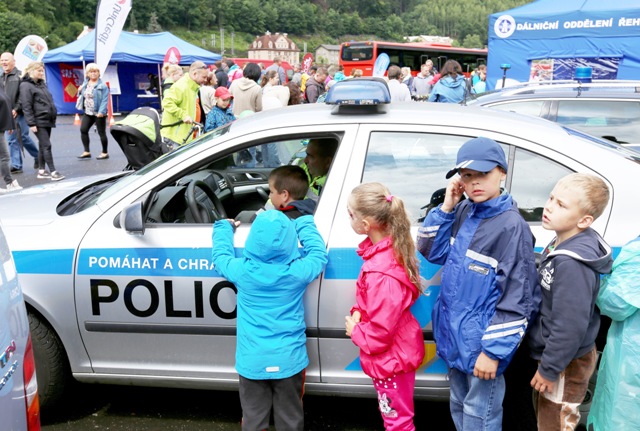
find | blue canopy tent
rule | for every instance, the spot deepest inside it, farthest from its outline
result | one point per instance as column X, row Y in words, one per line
column 547, row 39
column 135, row 55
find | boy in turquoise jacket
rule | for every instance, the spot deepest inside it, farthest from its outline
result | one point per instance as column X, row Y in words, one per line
column 271, row 278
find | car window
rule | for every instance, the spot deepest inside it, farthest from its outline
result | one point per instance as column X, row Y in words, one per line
column 531, row 196
column 413, row 165
column 616, row 120
column 231, row 185
column 270, row 155
column 528, row 107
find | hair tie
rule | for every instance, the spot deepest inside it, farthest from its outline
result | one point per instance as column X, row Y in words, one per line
column 389, row 198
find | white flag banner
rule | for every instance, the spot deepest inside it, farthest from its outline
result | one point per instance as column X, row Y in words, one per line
column 30, row 48
column 110, row 18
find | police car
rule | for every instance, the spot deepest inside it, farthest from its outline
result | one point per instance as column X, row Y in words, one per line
column 19, row 408
column 117, row 270
column 606, row 108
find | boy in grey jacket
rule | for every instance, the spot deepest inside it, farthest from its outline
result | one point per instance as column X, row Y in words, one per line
column 562, row 338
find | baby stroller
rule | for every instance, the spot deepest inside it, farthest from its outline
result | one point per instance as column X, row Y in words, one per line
column 138, row 135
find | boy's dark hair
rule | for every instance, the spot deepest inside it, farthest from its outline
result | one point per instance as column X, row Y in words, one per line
column 252, row 71
column 291, row 178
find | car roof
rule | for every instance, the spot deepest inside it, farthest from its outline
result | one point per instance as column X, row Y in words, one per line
column 394, row 113
column 605, row 89
column 412, row 113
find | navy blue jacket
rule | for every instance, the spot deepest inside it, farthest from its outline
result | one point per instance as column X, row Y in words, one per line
column 489, row 292
column 568, row 323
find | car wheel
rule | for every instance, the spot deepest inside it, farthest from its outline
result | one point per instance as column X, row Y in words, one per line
column 52, row 368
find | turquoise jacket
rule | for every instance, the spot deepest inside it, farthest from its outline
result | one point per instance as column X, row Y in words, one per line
column 617, row 395
column 448, row 90
column 271, row 278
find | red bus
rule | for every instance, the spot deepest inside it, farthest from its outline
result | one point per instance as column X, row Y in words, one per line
column 362, row 55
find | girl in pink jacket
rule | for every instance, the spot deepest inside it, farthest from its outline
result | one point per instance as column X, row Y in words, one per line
column 381, row 323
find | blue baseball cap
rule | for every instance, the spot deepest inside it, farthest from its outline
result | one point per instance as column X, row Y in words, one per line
column 479, row 154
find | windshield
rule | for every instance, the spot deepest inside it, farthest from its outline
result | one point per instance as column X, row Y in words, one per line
column 629, row 153
column 100, row 191
column 357, row 52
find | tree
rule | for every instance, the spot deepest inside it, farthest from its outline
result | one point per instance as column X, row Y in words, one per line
column 361, row 19
column 247, row 15
column 472, row 41
column 294, row 17
column 68, row 32
column 16, row 26
column 153, row 26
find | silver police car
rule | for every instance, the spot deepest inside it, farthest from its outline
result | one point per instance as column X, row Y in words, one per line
column 117, row 270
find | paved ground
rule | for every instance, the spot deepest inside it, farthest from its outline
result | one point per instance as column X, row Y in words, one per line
column 66, row 146
column 106, row 407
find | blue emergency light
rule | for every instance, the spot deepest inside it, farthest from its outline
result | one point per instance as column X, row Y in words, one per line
column 583, row 74
column 359, row 91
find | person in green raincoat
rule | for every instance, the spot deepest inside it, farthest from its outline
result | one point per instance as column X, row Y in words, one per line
column 616, row 404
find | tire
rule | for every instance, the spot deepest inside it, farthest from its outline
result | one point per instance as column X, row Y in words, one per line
column 52, row 367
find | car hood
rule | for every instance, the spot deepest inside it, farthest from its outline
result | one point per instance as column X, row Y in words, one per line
column 36, row 205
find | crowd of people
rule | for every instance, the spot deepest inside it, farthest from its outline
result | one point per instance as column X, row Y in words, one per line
column 200, row 99
column 26, row 105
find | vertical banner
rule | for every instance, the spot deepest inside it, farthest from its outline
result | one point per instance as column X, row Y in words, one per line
column 381, row 65
column 307, row 61
column 110, row 18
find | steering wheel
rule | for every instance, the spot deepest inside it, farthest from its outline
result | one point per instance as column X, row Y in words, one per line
column 263, row 194
column 200, row 213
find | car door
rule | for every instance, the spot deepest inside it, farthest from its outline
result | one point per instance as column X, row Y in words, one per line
column 152, row 307
column 412, row 162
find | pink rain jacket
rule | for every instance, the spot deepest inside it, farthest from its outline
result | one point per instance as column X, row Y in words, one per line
column 388, row 335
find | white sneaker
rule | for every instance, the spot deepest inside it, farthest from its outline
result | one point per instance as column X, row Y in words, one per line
column 13, row 186
column 56, row 176
column 43, row 175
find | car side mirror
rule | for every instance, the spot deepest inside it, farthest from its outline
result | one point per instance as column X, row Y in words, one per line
column 132, row 219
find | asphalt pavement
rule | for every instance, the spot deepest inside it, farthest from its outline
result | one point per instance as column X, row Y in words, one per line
column 108, row 407
column 66, row 147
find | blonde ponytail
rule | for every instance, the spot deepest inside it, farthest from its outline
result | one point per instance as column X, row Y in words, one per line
column 376, row 201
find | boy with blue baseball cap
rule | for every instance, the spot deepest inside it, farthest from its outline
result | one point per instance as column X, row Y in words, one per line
column 488, row 292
